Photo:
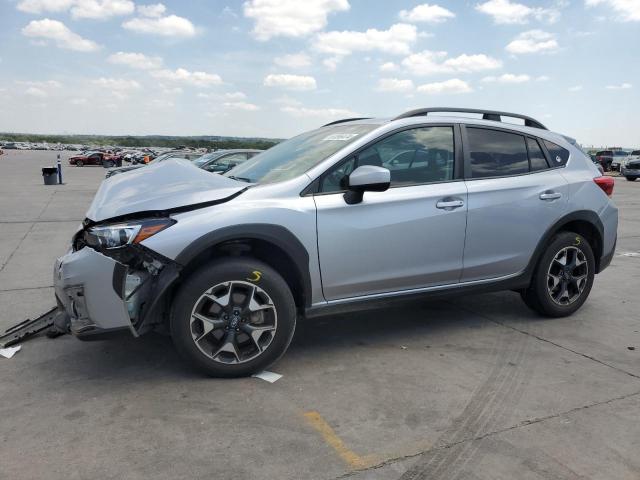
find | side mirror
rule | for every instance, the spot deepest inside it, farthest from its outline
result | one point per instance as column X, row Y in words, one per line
column 367, row 178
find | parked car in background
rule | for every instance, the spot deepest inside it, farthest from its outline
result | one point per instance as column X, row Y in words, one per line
column 631, row 167
column 634, row 155
column 610, row 159
column 356, row 214
column 186, row 155
column 93, row 158
column 10, row 146
column 222, row 161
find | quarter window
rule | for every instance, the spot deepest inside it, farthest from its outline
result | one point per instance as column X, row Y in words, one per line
column 496, row 153
column 414, row 156
column 536, row 157
column 559, row 156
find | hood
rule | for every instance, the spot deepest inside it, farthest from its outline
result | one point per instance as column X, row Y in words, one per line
column 168, row 185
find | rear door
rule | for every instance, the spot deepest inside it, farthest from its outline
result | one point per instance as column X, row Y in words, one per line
column 410, row 236
column 514, row 196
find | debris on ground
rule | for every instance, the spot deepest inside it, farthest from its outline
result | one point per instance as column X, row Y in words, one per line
column 9, row 351
column 29, row 327
column 268, row 376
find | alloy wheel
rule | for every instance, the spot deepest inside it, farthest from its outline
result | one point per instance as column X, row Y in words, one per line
column 233, row 322
column 567, row 275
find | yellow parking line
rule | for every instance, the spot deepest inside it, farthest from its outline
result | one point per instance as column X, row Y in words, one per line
column 353, row 459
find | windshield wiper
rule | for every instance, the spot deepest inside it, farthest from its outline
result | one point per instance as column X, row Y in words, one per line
column 240, row 179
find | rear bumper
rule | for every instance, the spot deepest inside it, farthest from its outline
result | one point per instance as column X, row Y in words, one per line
column 90, row 287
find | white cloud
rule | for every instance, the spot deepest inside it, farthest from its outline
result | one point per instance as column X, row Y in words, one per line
column 169, row 26
column 623, row 86
column 46, row 84
column 116, row 84
column 575, row 88
column 507, row 78
column 101, row 9
column 154, row 10
column 624, row 10
column 248, row 107
column 388, row 67
column 542, row 78
column 79, row 101
column 452, row 86
column 36, row 92
column 194, row 79
column 60, row 34
column 533, row 41
column 431, row 63
column 426, row 13
column 294, row 60
column 508, row 12
column 42, row 6
column 290, row 82
column 138, row 61
column 394, row 85
column 95, row 9
column 332, row 63
column 326, row 113
column 396, row 40
column 288, row 18
column 229, row 97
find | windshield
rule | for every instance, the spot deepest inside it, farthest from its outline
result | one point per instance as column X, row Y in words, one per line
column 207, row 158
column 295, row 156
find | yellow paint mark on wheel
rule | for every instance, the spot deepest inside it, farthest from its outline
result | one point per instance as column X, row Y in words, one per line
column 255, row 276
column 352, row 459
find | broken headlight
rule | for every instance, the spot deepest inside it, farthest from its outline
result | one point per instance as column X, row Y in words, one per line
column 121, row 234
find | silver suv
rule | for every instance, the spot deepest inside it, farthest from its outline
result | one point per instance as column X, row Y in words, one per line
column 355, row 214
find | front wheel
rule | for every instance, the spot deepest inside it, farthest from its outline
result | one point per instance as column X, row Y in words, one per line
column 563, row 277
column 109, row 164
column 233, row 317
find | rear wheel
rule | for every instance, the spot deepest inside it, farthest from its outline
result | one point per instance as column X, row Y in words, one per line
column 79, row 163
column 109, row 164
column 631, row 179
column 563, row 277
column 233, row 317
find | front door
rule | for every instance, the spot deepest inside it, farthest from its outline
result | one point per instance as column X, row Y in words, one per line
column 411, row 236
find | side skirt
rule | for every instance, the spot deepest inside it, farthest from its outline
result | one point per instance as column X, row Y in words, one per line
column 513, row 282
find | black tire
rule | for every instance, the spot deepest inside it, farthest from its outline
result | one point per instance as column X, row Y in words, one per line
column 79, row 163
column 631, row 179
column 240, row 270
column 109, row 164
column 538, row 297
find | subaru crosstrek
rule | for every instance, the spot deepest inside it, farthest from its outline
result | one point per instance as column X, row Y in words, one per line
column 352, row 215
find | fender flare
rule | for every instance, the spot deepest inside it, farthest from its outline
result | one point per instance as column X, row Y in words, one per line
column 275, row 234
column 582, row 215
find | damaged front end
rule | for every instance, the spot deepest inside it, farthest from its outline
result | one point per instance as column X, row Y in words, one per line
column 109, row 283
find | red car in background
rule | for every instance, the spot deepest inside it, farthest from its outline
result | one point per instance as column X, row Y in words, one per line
column 107, row 160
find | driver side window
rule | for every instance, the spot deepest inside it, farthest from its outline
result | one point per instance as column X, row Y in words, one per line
column 414, row 156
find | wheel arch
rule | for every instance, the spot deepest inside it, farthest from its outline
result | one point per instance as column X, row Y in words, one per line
column 272, row 244
column 584, row 222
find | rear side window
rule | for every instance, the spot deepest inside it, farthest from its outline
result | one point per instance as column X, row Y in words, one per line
column 495, row 153
column 536, row 157
column 559, row 156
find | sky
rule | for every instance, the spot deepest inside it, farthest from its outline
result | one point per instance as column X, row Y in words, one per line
column 275, row 68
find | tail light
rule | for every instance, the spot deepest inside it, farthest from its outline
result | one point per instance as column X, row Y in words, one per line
column 606, row 184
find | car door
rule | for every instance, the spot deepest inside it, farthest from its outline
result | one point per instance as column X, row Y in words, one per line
column 408, row 237
column 514, row 196
column 95, row 159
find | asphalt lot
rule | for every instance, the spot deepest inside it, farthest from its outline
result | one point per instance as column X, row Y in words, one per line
column 476, row 388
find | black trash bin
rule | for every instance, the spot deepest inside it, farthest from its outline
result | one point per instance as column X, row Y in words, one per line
column 50, row 175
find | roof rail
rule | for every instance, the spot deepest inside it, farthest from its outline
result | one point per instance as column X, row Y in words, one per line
column 344, row 120
column 486, row 115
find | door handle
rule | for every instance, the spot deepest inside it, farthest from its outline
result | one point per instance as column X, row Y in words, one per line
column 549, row 195
column 449, row 204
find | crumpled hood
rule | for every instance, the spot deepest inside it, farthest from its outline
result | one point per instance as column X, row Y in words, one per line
column 168, row 185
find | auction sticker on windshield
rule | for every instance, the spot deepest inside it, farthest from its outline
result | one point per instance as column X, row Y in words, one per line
column 340, row 137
